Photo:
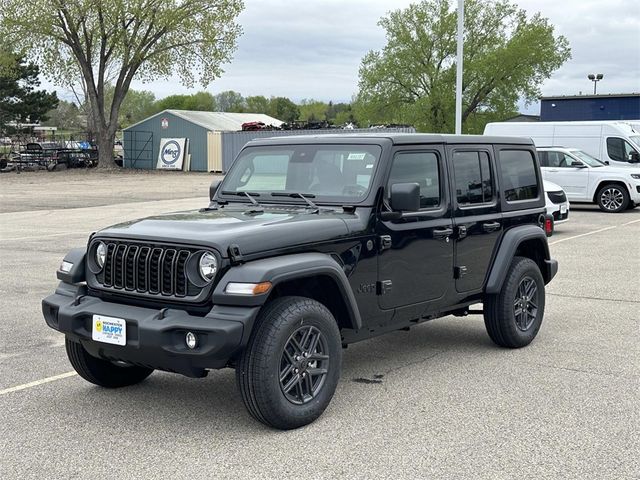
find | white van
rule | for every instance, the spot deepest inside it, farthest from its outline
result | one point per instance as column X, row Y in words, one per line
column 615, row 142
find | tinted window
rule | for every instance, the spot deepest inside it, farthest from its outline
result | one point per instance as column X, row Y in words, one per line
column 420, row 168
column 544, row 161
column 472, row 172
column 519, row 178
column 618, row 149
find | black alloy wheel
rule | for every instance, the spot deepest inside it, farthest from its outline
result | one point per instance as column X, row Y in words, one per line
column 289, row 370
column 304, row 365
column 525, row 305
column 514, row 315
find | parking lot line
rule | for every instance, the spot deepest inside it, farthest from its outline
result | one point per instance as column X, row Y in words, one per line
column 24, row 386
column 37, row 237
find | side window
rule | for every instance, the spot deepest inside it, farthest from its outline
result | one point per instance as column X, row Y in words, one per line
column 472, row 171
column 618, row 149
column 563, row 160
column 420, row 168
column 544, row 159
column 519, row 178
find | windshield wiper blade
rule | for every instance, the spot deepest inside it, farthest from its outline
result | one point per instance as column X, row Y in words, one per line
column 249, row 195
column 298, row 195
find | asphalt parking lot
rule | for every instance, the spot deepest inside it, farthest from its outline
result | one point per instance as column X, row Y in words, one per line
column 438, row 401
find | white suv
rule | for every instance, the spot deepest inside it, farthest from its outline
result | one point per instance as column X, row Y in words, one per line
column 586, row 179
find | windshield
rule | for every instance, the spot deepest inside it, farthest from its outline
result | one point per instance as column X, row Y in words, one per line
column 635, row 139
column 586, row 158
column 335, row 173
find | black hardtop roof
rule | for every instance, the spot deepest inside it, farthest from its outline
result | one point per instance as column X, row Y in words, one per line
column 395, row 138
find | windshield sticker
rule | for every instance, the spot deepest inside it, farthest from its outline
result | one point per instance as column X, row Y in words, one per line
column 356, row 156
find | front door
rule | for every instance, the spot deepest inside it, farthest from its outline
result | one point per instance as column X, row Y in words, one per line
column 478, row 221
column 415, row 264
column 573, row 180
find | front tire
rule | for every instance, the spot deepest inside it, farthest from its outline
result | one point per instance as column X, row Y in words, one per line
column 103, row 372
column 289, row 370
column 513, row 317
column 613, row 198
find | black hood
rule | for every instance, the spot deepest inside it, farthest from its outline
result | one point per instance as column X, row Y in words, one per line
column 252, row 232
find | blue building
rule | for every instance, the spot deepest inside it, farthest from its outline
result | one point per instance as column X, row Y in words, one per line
column 624, row 106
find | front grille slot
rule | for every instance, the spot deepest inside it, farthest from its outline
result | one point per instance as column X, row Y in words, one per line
column 147, row 269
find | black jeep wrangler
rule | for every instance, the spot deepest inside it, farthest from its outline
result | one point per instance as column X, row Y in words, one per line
column 309, row 244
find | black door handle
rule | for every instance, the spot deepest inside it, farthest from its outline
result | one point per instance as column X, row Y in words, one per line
column 490, row 227
column 442, row 232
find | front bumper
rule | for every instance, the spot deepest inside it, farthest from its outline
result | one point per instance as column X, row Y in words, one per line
column 155, row 338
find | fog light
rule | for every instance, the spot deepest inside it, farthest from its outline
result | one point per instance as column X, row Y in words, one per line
column 191, row 340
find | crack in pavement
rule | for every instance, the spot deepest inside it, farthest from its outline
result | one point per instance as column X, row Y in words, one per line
column 588, row 372
column 592, row 298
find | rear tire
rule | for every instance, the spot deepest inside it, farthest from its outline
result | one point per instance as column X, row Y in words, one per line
column 513, row 317
column 289, row 370
column 103, row 372
column 612, row 198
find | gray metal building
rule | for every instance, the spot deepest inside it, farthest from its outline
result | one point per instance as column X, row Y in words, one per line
column 215, row 138
column 141, row 141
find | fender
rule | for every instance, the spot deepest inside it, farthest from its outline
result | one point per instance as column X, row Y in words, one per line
column 76, row 258
column 280, row 269
column 511, row 240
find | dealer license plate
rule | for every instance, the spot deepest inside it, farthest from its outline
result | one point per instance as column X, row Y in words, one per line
column 109, row 330
column 563, row 209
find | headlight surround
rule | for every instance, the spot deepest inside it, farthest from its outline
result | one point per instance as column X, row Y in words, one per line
column 208, row 266
column 635, row 176
column 100, row 254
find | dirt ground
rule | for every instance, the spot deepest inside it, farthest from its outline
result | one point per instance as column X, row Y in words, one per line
column 89, row 188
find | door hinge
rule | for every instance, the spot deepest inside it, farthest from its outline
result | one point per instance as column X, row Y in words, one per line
column 462, row 232
column 459, row 272
column 383, row 287
column 385, row 242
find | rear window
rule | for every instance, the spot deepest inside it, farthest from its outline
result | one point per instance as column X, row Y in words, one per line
column 519, row 177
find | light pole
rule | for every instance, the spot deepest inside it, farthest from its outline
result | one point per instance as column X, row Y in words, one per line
column 459, row 67
column 595, row 78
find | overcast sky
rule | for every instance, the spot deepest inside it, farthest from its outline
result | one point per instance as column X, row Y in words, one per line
column 312, row 49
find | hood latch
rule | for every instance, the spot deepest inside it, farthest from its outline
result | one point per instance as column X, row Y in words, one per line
column 235, row 254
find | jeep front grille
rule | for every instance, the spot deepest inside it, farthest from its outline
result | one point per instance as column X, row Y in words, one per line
column 557, row 197
column 147, row 269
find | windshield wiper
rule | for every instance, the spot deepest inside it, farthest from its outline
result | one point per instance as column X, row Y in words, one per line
column 298, row 195
column 249, row 195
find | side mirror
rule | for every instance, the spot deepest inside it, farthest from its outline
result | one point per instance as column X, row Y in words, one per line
column 405, row 197
column 578, row 164
column 213, row 188
column 634, row 157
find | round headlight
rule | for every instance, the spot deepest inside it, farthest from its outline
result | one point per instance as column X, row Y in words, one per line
column 208, row 265
column 101, row 254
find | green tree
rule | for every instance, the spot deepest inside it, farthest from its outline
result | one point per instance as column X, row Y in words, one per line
column 66, row 116
column 201, row 101
column 20, row 101
column 257, row 104
column 507, row 56
column 116, row 41
column 230, row 101
column 283, row 109
column 136, row 106
column 313, row 110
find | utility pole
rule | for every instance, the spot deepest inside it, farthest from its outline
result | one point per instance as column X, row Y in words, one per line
column 459, row 67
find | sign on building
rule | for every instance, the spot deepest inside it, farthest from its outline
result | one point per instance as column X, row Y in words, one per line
column 171, row 154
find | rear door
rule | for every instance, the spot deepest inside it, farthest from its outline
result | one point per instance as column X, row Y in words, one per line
column 477, row 217
column 416, row 260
